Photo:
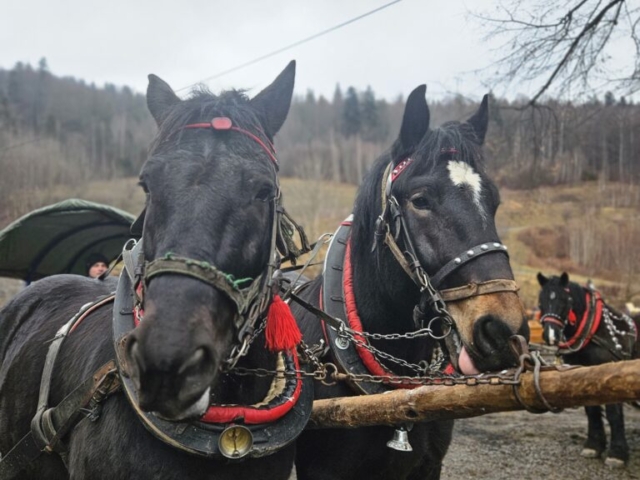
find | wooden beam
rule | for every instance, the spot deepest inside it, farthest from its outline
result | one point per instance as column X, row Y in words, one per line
column 598, row 385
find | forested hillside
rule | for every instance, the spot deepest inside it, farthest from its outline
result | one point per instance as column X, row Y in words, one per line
column 62, row 131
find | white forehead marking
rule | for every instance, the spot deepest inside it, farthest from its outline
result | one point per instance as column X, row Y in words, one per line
column 462, row 173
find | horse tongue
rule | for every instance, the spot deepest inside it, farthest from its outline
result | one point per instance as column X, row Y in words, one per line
column 466, row 365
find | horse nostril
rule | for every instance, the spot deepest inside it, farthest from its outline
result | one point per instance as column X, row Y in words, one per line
column 492, row 336
column 199, row 358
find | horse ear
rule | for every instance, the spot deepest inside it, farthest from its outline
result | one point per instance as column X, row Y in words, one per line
column 160, row 98
column 274, row 101
column 542, row 280
column 480, row 120
column 564, row 279
column 415, row 121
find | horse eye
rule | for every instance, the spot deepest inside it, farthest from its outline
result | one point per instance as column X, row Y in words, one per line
column 264, row 194
column 420, row 202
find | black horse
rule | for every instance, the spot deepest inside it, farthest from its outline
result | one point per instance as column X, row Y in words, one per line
column 429, row 201
column 587, row 331
column 212, row 196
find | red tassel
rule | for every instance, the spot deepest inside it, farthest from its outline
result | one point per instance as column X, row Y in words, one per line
column 282, row 332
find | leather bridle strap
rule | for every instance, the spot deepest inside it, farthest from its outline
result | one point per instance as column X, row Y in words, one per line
column 469, row 255
column 477, row 289
column 225, row 123
column 207, row 273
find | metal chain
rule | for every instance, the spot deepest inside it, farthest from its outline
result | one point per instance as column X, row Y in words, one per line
column 348, row 334
column 329, row 370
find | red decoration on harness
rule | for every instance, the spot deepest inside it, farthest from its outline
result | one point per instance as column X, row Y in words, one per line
column 583, row 323
column 572, row 317
column 450, row 151
column 221, row 123
column 255, row 415
column 398, row 169
column 372, row 364
column 282, row 332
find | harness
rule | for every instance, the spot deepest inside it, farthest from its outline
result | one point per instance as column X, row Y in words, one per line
column 595, row 312
column 351, row 352
column 265, row 427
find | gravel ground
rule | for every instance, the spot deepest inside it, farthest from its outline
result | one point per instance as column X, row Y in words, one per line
column 521, row 445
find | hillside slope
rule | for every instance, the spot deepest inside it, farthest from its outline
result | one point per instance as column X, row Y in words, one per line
column 591, row 231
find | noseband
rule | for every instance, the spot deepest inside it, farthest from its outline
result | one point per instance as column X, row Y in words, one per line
column 253, row 300
column 390, row 226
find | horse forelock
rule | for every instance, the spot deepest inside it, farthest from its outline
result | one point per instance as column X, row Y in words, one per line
column 203, row 106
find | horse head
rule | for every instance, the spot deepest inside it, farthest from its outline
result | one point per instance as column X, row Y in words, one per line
column 556, row 304
column 437, row 204
column 208, row 238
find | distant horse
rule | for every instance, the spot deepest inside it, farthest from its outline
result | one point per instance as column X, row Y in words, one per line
column 425, row 210
column 587, row 331
column 203, row 286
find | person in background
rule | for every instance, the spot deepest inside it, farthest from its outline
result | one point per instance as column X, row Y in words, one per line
column 96, row 264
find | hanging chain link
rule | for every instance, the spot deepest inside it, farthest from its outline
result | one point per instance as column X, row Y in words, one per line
column 328, row 373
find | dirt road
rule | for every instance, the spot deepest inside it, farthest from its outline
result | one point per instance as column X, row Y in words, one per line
column 524, row 446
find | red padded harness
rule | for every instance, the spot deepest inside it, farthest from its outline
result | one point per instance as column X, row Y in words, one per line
column 583, row 322
column 368, row 359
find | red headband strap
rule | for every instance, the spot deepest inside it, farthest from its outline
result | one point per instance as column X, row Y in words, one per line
column 225, row 123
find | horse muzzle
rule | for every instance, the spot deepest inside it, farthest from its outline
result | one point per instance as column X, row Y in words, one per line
column 484, row 324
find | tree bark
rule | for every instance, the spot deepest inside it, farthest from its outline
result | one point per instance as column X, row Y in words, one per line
column 602, row 384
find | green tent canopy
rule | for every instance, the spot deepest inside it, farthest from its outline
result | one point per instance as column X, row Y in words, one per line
column 58, row 238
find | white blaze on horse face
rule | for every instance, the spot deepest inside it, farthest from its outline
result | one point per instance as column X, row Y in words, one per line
column 462, row 173
column 552, row 336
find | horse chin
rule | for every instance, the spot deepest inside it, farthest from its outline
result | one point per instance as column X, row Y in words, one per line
column 196, row 410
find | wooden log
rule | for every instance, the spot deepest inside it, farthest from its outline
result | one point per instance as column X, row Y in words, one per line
column 598, row 385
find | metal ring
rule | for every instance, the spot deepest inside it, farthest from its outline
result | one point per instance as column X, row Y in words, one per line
column 444, row 335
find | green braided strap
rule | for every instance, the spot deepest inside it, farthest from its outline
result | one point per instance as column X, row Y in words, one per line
column 207, row 273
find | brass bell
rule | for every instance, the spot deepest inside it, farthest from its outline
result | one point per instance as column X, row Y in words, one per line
column 400, row 440
column 235, row 441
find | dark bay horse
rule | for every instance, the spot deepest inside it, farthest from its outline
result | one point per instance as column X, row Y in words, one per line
column 212, row 196
column 430, row 199
column 587, row 332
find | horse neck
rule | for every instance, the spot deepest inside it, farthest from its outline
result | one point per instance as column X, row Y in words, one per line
column 385, row 297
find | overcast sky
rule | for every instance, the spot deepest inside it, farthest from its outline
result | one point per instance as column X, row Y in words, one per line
column 121, row 41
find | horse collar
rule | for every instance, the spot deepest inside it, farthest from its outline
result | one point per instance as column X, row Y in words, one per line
column 337, row 300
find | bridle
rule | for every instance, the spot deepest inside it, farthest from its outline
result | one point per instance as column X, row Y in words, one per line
column 391, row 227
column 555, row 318
column 252, row 301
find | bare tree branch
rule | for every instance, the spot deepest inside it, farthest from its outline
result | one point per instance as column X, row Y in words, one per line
column 564, row 45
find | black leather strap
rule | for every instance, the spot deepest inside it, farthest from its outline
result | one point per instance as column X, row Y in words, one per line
column 465, row 257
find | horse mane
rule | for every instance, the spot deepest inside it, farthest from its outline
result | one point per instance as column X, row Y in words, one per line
column 578, row 295
column 201, row 106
